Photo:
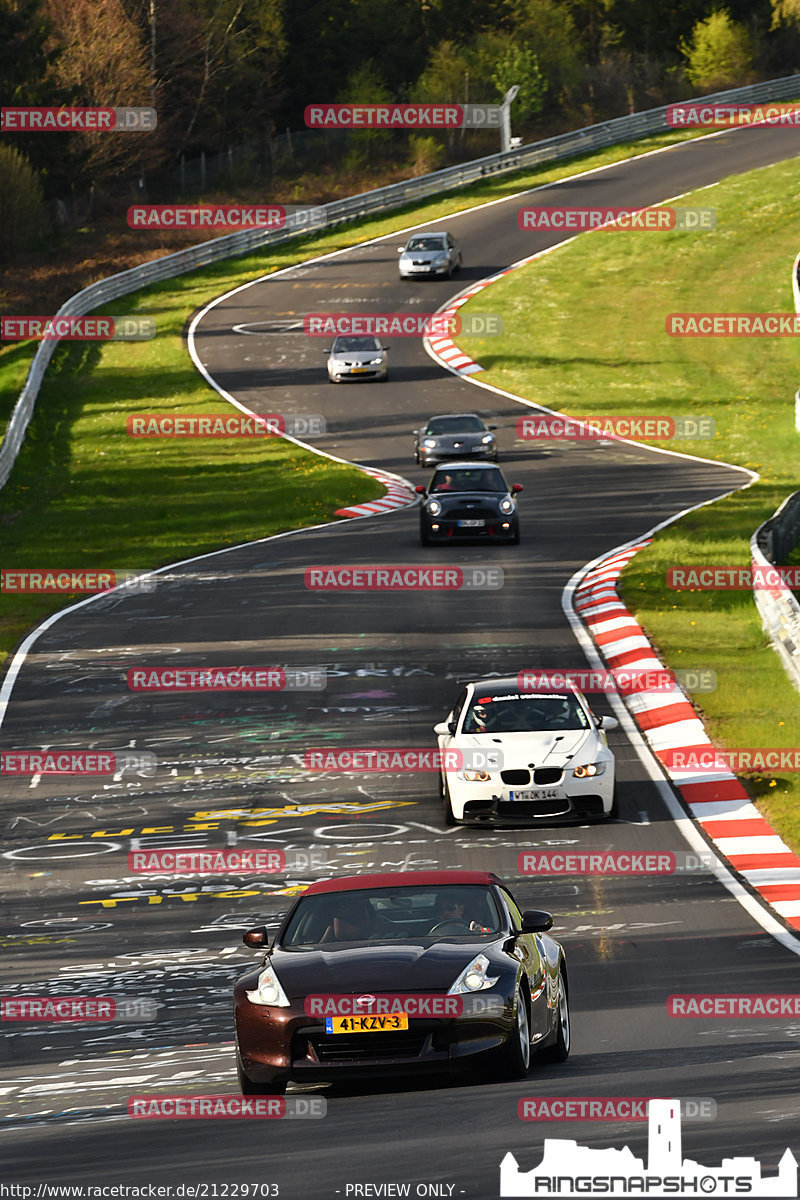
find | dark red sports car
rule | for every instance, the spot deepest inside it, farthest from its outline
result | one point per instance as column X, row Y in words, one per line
column 372, row 974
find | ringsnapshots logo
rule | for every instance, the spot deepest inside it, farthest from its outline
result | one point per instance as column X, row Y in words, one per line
column 624, row 681
column 608, row 1108
column 403, row 116
column 237, row 1108
column 568, row 1169
column 73, row 1009
column 402, row 324
column 744, row 325
column 225, row 425
column 728, row 116
column 356, row 760
column 226, row 679
column 31, row 118
column 644, row 219
column 226, row 216
column 77, row 329
column 402, row 579
column 757, row 577
column 615, row 862
column 29, row 580
column 241, row 861
column 551, row 427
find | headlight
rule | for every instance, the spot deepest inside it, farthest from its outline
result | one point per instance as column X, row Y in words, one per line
column 507, row 506
column 269, row 990
column 589, row 770
column 429, row 443
column 374, row 362
column 434, row 508
column 474, row 978
column 488, row 438
column 477, row 776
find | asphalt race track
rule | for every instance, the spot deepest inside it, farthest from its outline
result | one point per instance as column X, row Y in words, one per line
column 231, row 771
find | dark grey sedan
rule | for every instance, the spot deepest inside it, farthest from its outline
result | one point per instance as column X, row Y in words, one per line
column 457, row 435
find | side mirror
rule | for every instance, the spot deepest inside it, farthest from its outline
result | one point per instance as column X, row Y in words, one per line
column 491, row 427
column 607, row 723
column 256, row 939
column 444, row 727
column 419, row 489
column 327, row 350
column 536, row 921
column 384, row 347
column 400, row 249
column 517, row 487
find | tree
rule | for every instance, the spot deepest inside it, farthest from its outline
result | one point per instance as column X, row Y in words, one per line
column 365, row 85
column 517, row 64
column 23, row 213
column 719, row 53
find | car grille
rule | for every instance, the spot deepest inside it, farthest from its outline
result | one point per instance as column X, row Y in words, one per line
column 533, row 808
column 341, row 1048
column 515, row 778
column 472, row 514
column 547, row 775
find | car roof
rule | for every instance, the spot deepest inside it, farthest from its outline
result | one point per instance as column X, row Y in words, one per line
column 450, row 416
column 511, row 683
column 468, row 462
column 350, row 883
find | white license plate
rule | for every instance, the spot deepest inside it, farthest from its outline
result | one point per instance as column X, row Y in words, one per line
column 470, row 524
column 554, row 793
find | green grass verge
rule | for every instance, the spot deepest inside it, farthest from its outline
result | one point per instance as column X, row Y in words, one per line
column 116, row 502
column 584, row 333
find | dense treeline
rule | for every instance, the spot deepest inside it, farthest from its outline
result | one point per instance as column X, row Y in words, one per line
column 225, row 72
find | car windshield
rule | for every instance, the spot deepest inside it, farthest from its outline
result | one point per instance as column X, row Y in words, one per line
column 348, row 344
column 427, row 243
column 455, row 425
column 466, row 480
column 520, row 712
column 407, row 914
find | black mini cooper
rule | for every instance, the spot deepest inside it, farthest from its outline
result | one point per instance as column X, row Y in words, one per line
column 464, row 501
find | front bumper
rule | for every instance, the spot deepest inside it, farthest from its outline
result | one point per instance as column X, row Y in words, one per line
column 431, row 458
column 277, row 1045
column 339, row 373
column 495, row 529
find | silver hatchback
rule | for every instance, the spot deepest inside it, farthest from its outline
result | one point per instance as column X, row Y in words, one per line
column 434, row 253
column 357, row 358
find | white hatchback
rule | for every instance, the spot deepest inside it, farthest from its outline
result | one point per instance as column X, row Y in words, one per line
column 510, row 755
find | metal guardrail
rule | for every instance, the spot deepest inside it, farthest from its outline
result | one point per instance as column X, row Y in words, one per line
column 566, row 145
column 771, row 544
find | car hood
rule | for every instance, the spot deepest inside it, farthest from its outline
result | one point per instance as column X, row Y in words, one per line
column 453, row 440
column 423, row 256
column 468, row 499
column 521, row 749
column 356, row 356
column 399, row 967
